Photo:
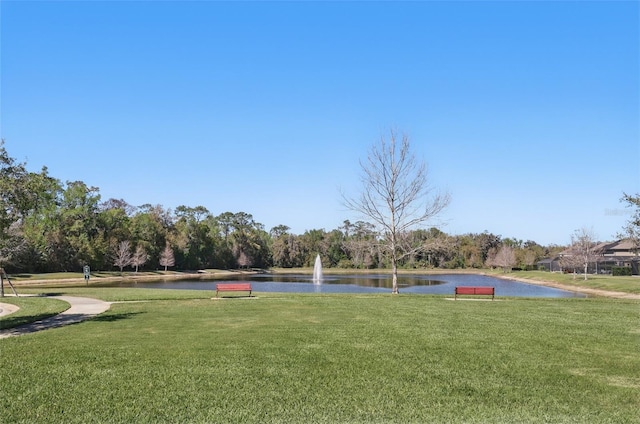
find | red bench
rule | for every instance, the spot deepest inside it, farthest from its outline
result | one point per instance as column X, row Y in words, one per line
column 481, row 291
column 233, row 287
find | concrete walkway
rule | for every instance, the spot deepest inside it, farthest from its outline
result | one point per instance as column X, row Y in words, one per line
column 7, row 308
column 81, row 309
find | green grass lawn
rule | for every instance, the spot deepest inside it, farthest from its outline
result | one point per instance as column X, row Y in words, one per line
column 294, row 358
column 31, row 309
column 602, row 282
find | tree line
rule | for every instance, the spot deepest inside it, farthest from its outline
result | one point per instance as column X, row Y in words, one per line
column 50, row 226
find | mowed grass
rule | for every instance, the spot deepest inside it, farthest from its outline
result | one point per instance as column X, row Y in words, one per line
column 31, row 309
column 626, row 284
column 292, row 358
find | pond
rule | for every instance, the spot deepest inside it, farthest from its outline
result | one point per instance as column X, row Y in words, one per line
column 369, row 283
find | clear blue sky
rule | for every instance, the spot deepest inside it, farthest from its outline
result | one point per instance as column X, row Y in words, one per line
column 526, row 112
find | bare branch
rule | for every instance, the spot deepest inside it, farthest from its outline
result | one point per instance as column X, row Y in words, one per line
column 396, row 194
column 122, row 255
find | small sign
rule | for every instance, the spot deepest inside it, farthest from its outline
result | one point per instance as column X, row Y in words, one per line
column 87, row 272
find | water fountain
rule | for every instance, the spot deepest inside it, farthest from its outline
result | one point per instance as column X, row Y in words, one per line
column 317, row 271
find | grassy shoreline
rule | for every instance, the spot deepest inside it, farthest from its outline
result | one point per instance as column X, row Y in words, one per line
column 77, row 278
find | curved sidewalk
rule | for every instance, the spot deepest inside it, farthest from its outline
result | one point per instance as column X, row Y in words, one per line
column 81, row 309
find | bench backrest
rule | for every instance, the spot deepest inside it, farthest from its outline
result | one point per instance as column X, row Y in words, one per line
column 475, row 290
column 233, row 286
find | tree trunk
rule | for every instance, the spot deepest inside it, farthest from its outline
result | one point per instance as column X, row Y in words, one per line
column 394, row 256
column 394, row 278
column 394, row 274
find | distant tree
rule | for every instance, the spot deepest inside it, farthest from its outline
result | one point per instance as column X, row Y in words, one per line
column 76, row 227
column 280, row 251
column 362, row 245
column 118, row 204
column 286, row 251
column 278, row 231
column 122, row 255
column 491, row 258
column 250, row 238
column 244, row 260
column 226, row 224
column 192, row 238
column 167, row 258
column 582, row 242
column 532, row 253
column 505, row 258
column 529, row 259
column 14, row 247
column 441, row 249
column 631, row 229
column 396, row 196
column 12, row 174
column 196, row 214
column 149, row 228
column 512, row 242
column 113, row 221
column 312, row 243
column 469, row 253
column 336, row 252
column 570, row 261
column 487, row 241
column 140, row 257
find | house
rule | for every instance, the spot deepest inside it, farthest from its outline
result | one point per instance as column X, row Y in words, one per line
column 604, row 257
column 622, row 253
column 549, row 264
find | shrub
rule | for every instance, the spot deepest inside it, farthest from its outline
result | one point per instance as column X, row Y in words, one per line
column 621, row 270
column 345, row 263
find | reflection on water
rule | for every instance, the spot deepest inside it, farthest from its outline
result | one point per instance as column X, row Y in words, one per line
column 371, row 280
column 371, row 283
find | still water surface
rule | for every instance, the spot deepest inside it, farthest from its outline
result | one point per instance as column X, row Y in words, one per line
column 371, row 283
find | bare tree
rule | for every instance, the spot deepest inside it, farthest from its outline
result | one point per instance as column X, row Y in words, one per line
column 244, row 260
column 396, row 196
column 140, row 257
column 491, row 258
column 582, row 242
column 166, row 257
column 505, row 258
column 122, row 255
column 570, row 261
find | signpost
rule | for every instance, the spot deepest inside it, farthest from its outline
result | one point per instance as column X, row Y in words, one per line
column 87, row 274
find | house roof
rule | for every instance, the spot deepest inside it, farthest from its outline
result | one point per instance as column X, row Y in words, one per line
column 606, row 247
column 546, row 261
column 626, row 245
column 601, row 247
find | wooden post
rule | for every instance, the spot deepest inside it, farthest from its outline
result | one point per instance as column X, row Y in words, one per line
column 4, row 274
